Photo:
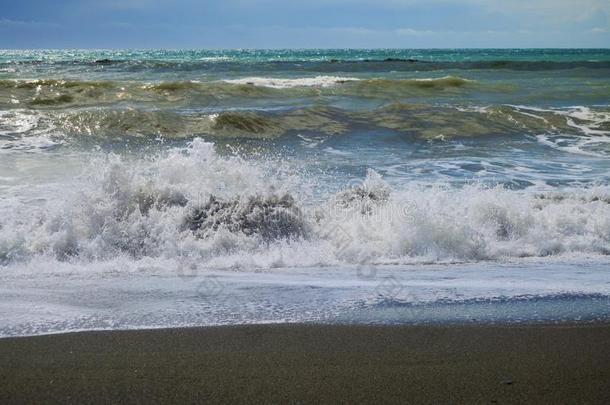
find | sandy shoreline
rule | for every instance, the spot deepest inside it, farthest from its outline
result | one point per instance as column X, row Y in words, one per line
column 312, row 364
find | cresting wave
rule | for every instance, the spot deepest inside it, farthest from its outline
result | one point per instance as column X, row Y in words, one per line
column 278, row 83
column 362, row 85
column 194, row 205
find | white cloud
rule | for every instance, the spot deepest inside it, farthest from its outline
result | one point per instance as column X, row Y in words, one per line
column 413, row 32
column 6, row 23
column 558, row 10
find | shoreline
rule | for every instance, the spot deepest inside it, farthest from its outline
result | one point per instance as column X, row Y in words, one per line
column 313, row 363
column 102, row 299
column 425, row 324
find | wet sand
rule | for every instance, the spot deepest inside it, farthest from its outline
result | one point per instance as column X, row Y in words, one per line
column 312, row 364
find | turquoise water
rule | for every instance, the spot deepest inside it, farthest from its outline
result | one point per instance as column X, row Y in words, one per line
column 265, row 55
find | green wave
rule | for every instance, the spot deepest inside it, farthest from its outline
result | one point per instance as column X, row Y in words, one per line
column 67, row 93
column 243, row 124
column 416, row 121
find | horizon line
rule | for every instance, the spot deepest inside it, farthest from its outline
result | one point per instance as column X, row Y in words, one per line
column 292, row 49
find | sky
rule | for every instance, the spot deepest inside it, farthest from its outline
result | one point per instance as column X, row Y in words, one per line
column 304, row 24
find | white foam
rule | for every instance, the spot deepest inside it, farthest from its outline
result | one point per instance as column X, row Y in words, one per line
column 592, row 120
column 18, row 121
column 108, row 296
column 25, row 130
column 332, row 151
column 281, row 83
column 98, row 216
column 591, row 141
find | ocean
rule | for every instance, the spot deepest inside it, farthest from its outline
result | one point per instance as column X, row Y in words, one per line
column 156, row 188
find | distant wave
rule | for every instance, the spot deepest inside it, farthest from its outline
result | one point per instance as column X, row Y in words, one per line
column 375, row 86
column 328, row 65
column 318, row 81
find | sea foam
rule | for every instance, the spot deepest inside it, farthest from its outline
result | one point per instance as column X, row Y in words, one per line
column 282, row 83
column 224, row 211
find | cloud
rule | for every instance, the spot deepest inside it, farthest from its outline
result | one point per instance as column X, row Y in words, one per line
column 412, row 32
column 7, row 23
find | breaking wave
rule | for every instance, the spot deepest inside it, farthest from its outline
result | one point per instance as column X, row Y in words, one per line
column 194, row 204
column 373, row 85
column 318, row 81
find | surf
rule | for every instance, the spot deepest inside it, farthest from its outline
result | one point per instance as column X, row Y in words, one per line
column 217, row 208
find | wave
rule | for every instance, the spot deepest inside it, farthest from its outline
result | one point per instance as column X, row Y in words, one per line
column 75, row 93
column 518, row 65
column 243, row 124
column 326, row 65
column 20, row 126
column 318, row 81
column 425, row 83
column 223, row 211
column 582, row 130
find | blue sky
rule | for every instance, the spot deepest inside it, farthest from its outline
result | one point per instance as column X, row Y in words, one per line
column 303, row 24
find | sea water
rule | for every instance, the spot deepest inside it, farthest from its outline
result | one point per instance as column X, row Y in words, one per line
column 176, row 188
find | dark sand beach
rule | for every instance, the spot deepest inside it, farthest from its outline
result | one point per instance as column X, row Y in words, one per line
column 312, row 364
